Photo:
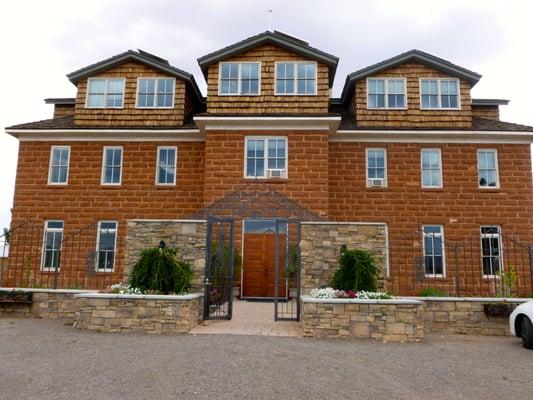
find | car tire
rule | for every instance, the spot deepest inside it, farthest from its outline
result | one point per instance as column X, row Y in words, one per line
column 526, row 332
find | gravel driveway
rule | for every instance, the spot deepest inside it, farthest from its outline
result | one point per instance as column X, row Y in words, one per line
column 42, row 359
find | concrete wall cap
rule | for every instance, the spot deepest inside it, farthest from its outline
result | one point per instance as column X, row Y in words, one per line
column 175, row 297
column 309, row 299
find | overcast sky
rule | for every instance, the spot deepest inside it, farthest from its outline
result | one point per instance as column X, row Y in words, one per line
column 42, row 41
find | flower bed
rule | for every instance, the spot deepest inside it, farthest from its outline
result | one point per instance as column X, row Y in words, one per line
column 330, row 293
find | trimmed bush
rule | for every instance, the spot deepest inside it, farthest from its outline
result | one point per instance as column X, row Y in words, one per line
column 158, row 271
column 357, row 271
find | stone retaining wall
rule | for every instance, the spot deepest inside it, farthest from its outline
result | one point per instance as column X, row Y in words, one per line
column 388, row 320
column 321, row 245
column 138, row 313
column 188, row 235
column 464, row 316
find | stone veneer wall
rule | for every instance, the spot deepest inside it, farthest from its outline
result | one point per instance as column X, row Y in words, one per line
column 321, row 245
column 188, row 235
column 396, row 320
column 465, row 316
column 138, row 313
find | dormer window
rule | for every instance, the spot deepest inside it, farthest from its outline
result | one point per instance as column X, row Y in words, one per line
column 155, row 92
column 295, row 78
column 386, row 93
column 105, row 93
column 439, row 94
column 239, row 79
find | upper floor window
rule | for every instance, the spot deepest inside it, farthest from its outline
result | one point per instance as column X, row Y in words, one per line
column 439, row 93
column 166, row 165
column 155, row 92
column 105, row 93
column 266, row 157
column 112, row 166
column 386, row 93
column 105, row 246
column 239, row 78
column 59, row 160
column 376, row 167
column 53, row 236
column 431, row 168
column 295, row 78
column 487, row 167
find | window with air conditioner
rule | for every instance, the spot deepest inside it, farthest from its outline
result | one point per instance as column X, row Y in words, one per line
column 266, row 157
column 376, row 168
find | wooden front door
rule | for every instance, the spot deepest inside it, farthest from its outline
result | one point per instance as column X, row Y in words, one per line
column 259, row 265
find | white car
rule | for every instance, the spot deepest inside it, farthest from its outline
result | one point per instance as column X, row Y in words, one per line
column 521, row 323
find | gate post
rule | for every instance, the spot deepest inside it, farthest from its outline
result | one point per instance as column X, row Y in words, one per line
column 457, row 271
column 530, row 253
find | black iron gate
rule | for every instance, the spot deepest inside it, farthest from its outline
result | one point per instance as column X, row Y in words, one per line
column 219, row 268
column 287, row 270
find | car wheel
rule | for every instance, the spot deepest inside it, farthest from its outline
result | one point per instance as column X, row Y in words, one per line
column 526, row 331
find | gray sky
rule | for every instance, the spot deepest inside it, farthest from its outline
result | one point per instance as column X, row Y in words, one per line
column 44, row 40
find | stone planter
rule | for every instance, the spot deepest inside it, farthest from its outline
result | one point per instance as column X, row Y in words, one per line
column 395, row 320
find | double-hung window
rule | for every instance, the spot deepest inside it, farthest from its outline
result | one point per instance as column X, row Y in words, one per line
column 106, row 246
column 166, row 165
column 296, row 78
column 431, row 168
column 376, row 167
column 491, row 249
column 155, row 92
column 239, row 78
column 487, row 167
column 266, row 157
column 386, row 93
column 439, row 93
column 105, row 93
column 59, row 161
column 53, row 236
column 433, row 243
column 112, row 166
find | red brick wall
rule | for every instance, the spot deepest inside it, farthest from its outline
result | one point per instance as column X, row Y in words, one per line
column 307, row 181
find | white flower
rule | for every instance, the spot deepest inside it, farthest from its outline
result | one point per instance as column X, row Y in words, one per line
column 325, row 293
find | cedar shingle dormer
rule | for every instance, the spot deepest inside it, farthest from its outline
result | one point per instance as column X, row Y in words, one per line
column 130, row 66
column 412, row 67
column 266, row 49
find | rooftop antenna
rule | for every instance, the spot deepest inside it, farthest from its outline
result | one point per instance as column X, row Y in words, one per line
column 270, row 20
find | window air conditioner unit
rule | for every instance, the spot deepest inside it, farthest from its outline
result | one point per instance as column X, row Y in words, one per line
column 276, row 173
column 377, row 182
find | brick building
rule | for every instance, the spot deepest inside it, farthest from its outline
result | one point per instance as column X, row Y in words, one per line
column 404, row 146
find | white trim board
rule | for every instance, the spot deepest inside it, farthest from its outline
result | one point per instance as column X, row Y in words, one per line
column 181, row 135
column 432, row 136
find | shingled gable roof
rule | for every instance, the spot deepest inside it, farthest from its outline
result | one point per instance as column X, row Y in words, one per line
column 277, row 38
column 412, row 55
column 142, row 57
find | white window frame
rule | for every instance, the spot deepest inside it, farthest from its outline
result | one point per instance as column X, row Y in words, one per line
column 441, row 235
column 239, row 78
column 295, row 93
column 98, row 270
column 265, row 139
column 495, row 166
column 156, row 79
column 422, row 169
column 50, row 165
column 439, row 99
column 384, row 150
column 43, row 251
column 386, row 79
column 102, row 179
column 500, row 244
column 175, row 148
column 106, row 79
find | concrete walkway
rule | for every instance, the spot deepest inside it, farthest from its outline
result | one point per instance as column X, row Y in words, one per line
column 250, row 318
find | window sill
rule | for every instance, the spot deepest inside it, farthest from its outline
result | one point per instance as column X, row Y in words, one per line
column 376, row 189
column 267, row 180
column 431, row 189
column 165, row 187
column 57, row 185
